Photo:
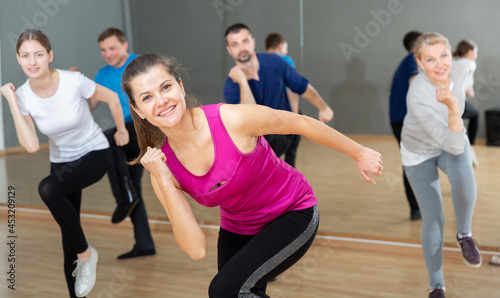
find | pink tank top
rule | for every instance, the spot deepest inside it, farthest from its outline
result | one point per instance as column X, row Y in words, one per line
column 258, row 186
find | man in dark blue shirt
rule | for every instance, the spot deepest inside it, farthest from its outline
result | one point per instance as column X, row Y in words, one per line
column 261, row 79
column 405, row 72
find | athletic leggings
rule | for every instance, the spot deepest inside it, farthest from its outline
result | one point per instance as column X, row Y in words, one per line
column 61, row 191
column 424, row 181
column 247, row 262
column 125, row 183
column 471, row 113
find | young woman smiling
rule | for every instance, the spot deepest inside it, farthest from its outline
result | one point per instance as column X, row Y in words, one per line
column 217, row 154
column 56, row 100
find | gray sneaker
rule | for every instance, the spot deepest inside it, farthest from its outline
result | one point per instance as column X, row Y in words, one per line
column 470, row 253
column 85, row 274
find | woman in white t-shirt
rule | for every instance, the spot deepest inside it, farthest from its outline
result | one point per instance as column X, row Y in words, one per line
column 466, row 53
column 56, row 101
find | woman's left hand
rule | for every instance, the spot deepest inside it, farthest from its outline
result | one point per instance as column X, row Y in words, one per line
column 121, row 137
column 370, row 161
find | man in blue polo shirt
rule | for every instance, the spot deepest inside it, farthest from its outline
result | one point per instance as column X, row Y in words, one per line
column 265, row 76
column 125, row 180
column 405, row 72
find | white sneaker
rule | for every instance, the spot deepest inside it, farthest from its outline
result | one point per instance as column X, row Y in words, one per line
column 473, row 156
column 85, row 274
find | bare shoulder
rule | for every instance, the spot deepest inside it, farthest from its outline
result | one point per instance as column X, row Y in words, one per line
column 241, row 111
column 231, row 114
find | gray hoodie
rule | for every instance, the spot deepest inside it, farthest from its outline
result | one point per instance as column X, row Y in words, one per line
column 425, row 128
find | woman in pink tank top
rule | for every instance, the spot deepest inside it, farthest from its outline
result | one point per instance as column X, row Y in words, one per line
column 216, row 153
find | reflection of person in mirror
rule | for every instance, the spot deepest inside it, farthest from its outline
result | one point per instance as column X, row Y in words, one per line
column 56, row 100
column 276, row 43
column 217, row 154
column 261, row 79
column 433, row 137
column 405, row 73
column 466, row 53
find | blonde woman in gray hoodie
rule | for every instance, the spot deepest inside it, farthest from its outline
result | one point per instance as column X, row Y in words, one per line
column 433, row 137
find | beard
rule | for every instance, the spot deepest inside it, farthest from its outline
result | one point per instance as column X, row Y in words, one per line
column 245, row 58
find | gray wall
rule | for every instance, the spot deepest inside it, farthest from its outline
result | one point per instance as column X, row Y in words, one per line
column 72, row 26
column 355, row 85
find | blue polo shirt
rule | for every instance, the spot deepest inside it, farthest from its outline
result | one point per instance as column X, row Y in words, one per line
column 288, row 59
column 399, row 88
column 274, row 74
column 111, row 78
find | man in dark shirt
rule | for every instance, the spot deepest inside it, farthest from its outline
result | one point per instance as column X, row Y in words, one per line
column 261, row 79
column 403, row 76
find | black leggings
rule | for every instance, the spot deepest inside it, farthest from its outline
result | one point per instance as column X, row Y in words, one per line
column 125, row 183
column 410, row 196
column 471, row 113
column 284, row 144
column 247, row 262
column 61, row 191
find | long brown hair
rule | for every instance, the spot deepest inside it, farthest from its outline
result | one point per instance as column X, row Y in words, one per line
column 149, row 135
column 464, row 47
column 34, row 34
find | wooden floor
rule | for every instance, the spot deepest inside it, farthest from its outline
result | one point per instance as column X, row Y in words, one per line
column 331, row 268
column 334, row 267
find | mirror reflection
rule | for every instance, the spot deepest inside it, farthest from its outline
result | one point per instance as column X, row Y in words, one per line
column 349, row 57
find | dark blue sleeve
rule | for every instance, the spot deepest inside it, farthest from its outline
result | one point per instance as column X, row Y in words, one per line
column 412, row 67
column 231, row 92
column 288, row 60
column 293, row 80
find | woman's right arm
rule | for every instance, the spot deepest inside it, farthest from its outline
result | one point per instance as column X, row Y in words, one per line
column 187, row 232
column 25, row 128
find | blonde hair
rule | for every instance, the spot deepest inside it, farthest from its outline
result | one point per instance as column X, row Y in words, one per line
column 429, row 39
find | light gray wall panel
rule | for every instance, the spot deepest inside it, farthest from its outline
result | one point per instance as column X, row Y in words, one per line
column 192, row 31
column 357, row 88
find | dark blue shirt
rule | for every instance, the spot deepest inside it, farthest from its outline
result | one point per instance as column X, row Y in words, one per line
column 400, row 84
column 274, row 74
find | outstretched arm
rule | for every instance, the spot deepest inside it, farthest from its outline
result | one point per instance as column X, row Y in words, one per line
column 325, row 112
column 187, row 232
column 111, row 98
column 25, row 128
column 255, row 120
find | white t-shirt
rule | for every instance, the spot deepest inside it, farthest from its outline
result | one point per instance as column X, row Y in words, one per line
column 65, row 118
column 471, row 68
